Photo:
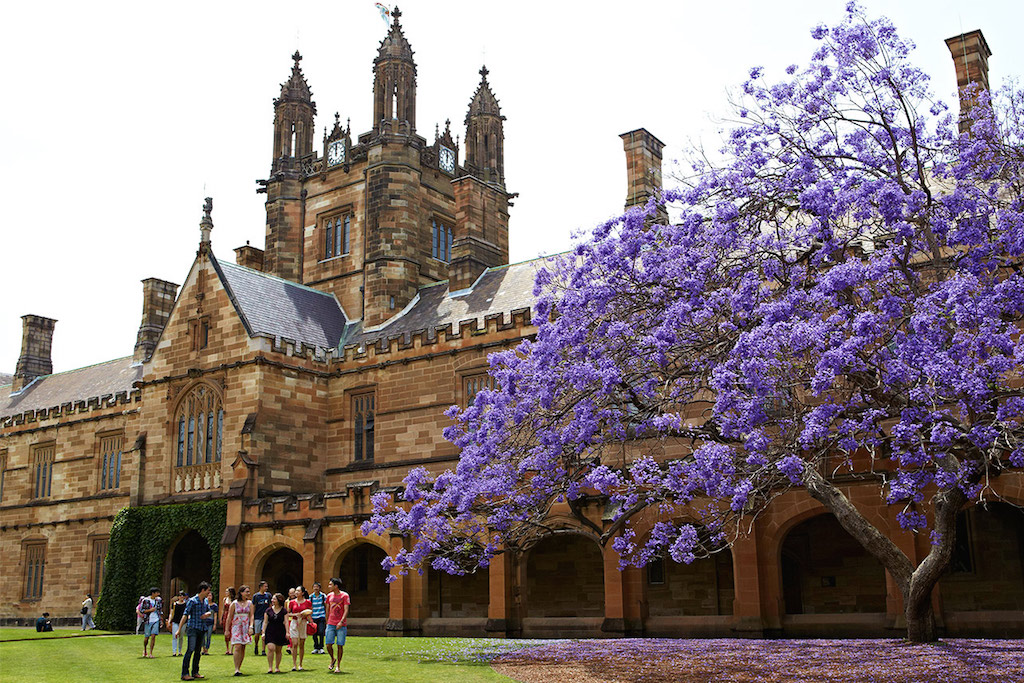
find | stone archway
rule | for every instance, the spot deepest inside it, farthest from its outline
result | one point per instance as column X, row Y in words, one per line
column 363, row 578
column 282, row 569
column 565, row 578
column 188, row 562
column 824, row 570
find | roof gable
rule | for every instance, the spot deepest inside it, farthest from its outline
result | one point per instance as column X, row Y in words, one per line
column 282, row 309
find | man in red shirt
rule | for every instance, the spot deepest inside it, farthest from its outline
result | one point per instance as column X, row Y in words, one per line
column 337, row 623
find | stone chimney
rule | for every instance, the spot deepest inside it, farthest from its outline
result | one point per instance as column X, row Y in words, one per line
column 970, row 53
column 643, row 167
column 249, row 257
column 157, row 300
column 36, row 343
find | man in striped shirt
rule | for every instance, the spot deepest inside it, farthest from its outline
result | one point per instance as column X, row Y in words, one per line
column 197, row 610
column 319, row 617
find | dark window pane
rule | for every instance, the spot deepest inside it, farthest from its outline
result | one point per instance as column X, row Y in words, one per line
column 191, row 438
column 181, row 440
column 220, row 432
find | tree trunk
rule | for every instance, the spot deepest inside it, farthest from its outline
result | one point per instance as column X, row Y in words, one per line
column 915, row 583
column 920, row 619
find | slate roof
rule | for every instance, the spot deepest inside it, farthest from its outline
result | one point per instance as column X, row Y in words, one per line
column 499, row 290
column 279, row 308
column 95, row 381
column 5, row 379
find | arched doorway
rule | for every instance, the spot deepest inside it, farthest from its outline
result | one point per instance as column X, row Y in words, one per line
column 281, row 570
column 565, row 578
column 987, row 569
column 363, row 578
column 826, row 571
column 705, row 587
column 188, row 562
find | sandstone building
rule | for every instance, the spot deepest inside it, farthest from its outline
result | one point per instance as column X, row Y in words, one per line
column 298, row 380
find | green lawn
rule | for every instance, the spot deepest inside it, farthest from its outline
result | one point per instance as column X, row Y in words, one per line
column 30, row 633
column 118, row 658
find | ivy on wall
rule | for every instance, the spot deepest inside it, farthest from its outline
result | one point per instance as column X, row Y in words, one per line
column 139, row 541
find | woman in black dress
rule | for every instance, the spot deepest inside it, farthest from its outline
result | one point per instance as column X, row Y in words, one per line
column 274, row 636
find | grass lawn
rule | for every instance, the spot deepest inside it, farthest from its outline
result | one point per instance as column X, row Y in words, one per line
column 30, row 633
column 118, row 658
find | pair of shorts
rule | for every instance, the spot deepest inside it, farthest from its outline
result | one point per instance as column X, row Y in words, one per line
column 152, row 628
column 336, row 634
column 257, row 626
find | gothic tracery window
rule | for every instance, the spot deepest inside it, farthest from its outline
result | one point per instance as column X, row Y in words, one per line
column 200, row 427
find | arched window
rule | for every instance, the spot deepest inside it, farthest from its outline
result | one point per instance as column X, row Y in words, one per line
column 200, row 427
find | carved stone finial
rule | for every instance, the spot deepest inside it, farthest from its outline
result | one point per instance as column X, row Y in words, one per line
column 337, row 119
column 206, row 225
column 484, row 72
column 297, row 57
column 396, row 13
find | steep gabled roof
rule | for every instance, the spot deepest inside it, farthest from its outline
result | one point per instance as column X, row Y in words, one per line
column 281, row 308
column 95, row 381
column 498, row 290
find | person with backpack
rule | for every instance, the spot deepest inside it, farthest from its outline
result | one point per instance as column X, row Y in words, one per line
column 151, row 609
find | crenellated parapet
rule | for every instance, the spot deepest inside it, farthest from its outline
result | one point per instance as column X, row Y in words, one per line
column 517, row 322
column 70, row 409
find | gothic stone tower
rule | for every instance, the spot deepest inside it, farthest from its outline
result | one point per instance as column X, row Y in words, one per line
column 293, row 139
column 374, row 219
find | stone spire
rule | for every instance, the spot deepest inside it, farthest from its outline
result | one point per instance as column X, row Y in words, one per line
column 295, row 89
column 395, row 45
column 394, row 83
column 483, row 101
column 485, row 135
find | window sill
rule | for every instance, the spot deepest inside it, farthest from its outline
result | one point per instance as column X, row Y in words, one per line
column 335, row 258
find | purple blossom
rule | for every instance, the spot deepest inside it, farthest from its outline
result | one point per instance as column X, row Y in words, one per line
column 837, row 291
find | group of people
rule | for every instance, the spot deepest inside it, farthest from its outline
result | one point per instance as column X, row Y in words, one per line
column 284, row 624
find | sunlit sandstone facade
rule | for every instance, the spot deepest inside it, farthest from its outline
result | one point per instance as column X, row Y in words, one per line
column 302, row 378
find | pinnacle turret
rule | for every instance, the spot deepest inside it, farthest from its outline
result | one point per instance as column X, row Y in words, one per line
column 295, row 89
column 395, row 45
column 483, row 100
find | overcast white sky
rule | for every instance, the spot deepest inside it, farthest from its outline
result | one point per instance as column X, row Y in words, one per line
column 116, row 115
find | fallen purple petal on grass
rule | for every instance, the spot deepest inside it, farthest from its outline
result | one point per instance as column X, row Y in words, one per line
column 775, row 661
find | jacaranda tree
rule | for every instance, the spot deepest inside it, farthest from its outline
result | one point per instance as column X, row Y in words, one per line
column 838, row 295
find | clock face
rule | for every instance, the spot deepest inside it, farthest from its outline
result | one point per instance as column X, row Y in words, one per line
column 336, row 153
column 446, row 159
